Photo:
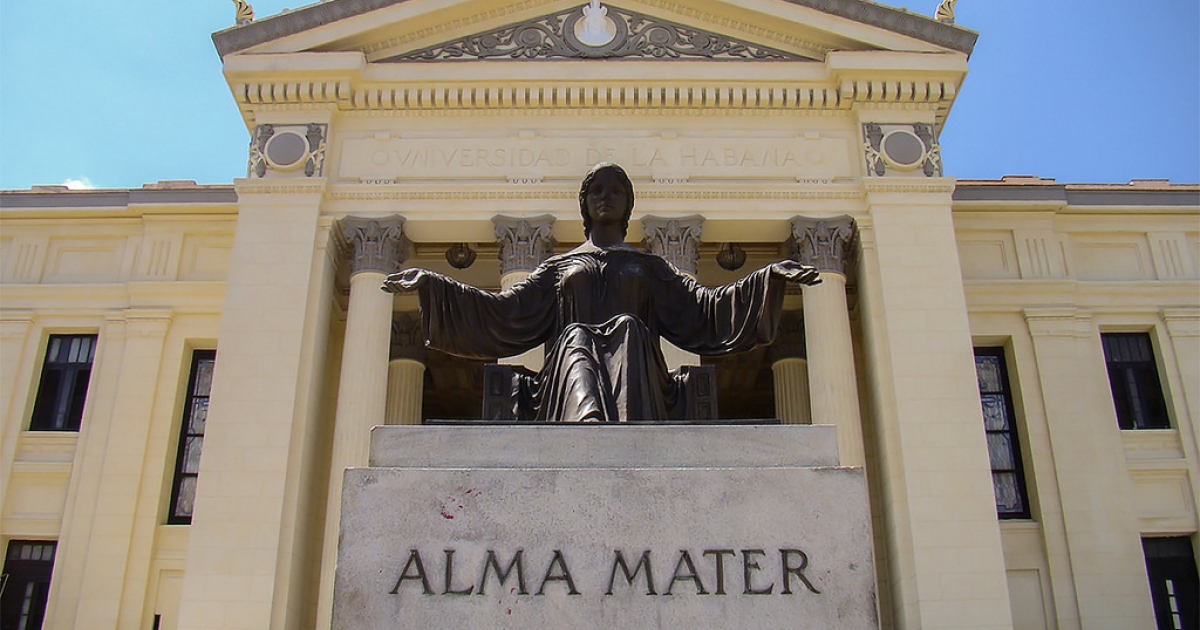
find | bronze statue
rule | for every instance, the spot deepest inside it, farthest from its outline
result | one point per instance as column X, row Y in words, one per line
column 600, row 309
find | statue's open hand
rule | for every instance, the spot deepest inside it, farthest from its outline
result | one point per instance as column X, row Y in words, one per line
column 406, row 281
column 793, row 271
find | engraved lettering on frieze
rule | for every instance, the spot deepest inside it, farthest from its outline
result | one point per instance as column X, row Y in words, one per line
column 901, row 149
column 594, row 31
column 824, row 243
column 524, row 242
column 779, row 571
column 287, row 148
column 677, row 240
column 375, row 244
column 532, row 161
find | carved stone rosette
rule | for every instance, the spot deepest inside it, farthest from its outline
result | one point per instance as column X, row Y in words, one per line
column 825, row 243
column 408, row 338
column 375, row 244
column 524, row 242
column 675, row 239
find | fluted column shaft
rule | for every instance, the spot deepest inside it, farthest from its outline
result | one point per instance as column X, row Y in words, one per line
column 377, row 246
column 406, row 371
column 832, row 382
column 791, row 390
column 406, row 385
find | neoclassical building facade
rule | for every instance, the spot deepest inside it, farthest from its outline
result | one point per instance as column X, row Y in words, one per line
column 187, row 370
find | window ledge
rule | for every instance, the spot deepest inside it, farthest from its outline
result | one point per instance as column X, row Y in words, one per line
column 1151, row 444
column 47, row 447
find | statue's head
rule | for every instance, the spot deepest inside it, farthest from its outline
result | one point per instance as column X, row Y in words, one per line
column 605, row 169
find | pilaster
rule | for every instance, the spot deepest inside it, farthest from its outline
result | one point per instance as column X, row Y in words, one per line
column 1102, row 535
column 83, row 494
column 243, row 537
column 108, row 568
column 15, row 366
column 1183, row 329
column 935, row 479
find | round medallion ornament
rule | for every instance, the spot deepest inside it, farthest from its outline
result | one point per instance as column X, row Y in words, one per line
column 590, row 31
column 287, row 151
column 903, row 150
column 596, row 28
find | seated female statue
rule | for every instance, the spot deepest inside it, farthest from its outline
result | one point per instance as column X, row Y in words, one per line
column 601, row 309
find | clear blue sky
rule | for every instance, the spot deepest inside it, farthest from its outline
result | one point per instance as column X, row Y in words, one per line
column 120, row 94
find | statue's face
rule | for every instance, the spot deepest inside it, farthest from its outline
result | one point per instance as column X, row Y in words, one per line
column 607, row 199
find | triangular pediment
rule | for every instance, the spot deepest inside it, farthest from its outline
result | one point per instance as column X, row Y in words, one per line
column 596, row 31
column 456, row 30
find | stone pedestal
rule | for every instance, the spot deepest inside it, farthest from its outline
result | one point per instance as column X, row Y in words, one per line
column 590, row 526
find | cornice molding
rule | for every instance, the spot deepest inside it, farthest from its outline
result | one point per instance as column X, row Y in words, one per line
column 243, row 37
column 632, row 95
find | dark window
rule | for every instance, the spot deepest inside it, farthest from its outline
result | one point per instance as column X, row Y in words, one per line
column 1174, row 587
column 63, row 388
column 25, row 584
column 191, row 437
column 1008, row 479
column 1133, row 376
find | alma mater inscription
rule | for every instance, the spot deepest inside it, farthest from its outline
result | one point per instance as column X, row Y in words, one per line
column 709, row 579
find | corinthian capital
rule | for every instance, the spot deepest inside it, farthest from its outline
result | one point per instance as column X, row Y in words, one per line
column 824, row 243
column 675, row 239
column 524, row 242
column 408, row 337
column 376, row 244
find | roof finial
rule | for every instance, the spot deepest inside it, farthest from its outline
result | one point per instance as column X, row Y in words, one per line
column 945, row 12
column 244, row 12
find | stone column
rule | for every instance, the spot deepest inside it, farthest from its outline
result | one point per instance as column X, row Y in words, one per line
column 376, row 246
column 406, row 371
column 524, row 243
column 790, row 368
column 827, row 245
column 676, row 240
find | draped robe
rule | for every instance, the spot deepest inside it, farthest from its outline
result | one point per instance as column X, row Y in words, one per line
column 601, row 313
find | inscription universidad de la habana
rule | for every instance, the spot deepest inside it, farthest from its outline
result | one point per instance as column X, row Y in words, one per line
column 392, row 158
column 710, row 572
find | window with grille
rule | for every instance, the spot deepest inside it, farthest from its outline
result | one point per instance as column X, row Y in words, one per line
column 1008, row 478
column 25, row 584
column 1133, row 376
column 191, row 437
column 1174, row 586
column 63, row 386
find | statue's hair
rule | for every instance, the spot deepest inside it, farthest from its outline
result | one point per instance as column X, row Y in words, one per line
column 587, row 183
